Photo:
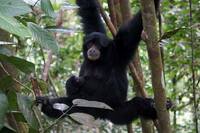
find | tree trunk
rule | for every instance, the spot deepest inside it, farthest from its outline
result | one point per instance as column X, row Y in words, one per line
column 149, row 22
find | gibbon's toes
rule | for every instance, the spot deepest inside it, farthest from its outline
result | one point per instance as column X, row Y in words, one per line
column 170, row 104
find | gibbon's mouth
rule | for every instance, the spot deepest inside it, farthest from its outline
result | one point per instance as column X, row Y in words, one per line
column 93, row 57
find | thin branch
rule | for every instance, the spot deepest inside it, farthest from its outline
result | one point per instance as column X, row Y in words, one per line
column 36, row 3
column 107, row 20
column 18, row 82
column 47, row 66
column 193, row 70
column 35, row 86
column 59, row 119
column 38, row 119
column 14, row 122
column 112, row 11
column 52, row 85
column 198, row 82
column 137, row 79
column 59, row 21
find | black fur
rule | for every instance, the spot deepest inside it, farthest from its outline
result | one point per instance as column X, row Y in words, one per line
column 105, row 79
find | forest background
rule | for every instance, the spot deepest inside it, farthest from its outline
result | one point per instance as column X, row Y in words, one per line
column 40, row 47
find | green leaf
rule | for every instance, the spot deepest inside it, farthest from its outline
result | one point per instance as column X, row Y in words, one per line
column 43, row 85
column 14, row 7
column 6, row 51
column 44, row 37
column 19, row 116
column 21, row 64
column 25, row 105
column 12, row 100
column 31, row 130
column 6, row 82
column 169, row 34
column 48, row 8
column 8, row 129
column 11, row 25
column 4, row 108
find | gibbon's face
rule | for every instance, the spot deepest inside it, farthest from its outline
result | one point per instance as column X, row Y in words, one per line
column 93, row 51
column 95, row 46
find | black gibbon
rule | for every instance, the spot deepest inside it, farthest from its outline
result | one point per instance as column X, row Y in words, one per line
column 103, row 74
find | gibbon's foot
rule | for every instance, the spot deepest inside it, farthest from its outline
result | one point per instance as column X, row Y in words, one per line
column 54, row 107
column 169, row 104
column 149, row 109
column 41, row 100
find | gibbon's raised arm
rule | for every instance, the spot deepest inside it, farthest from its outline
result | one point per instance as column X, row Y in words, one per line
column 129, row 36
column 90, row 17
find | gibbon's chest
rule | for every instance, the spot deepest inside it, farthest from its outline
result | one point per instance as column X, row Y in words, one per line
column 98, row 73
column 105, row 77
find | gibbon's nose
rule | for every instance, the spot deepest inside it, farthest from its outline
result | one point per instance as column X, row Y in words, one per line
column 92, row 51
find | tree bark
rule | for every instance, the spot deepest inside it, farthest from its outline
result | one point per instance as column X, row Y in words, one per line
column 150, row 27
column 112, row 12
column 118, row 12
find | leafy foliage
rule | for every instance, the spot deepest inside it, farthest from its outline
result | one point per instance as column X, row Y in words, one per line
column 43, row 37
column 3, row 107
column 25, row 105
column 21, row 64
column 14, row 7
column 6, row 82
column 11, row 25
column 28, row 54
column 48, row 8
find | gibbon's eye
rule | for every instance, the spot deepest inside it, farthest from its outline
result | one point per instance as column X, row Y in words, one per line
column 89, row 45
